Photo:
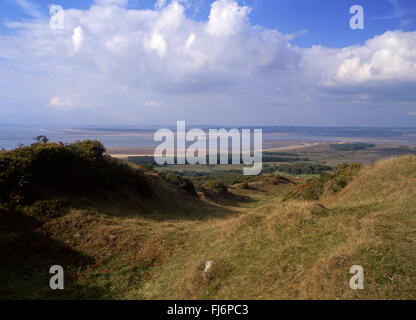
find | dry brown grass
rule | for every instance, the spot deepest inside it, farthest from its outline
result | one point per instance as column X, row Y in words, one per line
column 263, row 249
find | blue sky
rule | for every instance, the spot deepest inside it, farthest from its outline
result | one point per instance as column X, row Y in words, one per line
column 288, row 62
column 325, row 20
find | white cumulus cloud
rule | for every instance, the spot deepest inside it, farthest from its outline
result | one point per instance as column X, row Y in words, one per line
column 114, row 56
column 77, row 38
column 60, row 103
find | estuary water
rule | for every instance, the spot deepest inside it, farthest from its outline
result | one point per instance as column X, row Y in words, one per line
column 12, row 136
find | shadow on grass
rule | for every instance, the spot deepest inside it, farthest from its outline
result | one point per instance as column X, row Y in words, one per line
column 174, row 206
column 231, row 199
column 26, row 256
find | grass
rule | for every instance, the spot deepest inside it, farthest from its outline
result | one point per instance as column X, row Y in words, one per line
column 264, row 248
column 324, row 154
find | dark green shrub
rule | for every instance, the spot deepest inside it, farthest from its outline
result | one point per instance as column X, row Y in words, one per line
column 14, row 177
column 181, row 182
column 214, row 189
column 88, row 149
column 50, row 208
column 344, row 174
column 227, row 178
column 80, row 167
column 331, row 181
column 217, row 187
column 302, row 168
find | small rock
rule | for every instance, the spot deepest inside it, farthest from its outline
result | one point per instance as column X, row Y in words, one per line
column 208, row 265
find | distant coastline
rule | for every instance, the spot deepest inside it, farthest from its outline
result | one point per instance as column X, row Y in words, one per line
column 121, row 141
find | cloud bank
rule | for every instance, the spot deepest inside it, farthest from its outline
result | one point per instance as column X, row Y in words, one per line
column 119, row 61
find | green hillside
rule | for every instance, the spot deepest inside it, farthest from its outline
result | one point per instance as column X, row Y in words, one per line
column 148, row 235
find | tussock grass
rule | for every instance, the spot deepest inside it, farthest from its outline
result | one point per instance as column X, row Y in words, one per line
column 262, row 249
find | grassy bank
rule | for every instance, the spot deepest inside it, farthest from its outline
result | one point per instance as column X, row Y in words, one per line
column 264, row 243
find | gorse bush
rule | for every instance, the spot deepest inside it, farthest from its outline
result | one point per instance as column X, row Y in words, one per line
column 344, row 174
column 181, row 182
column 88, row 149
column 207, row 187
column 216, row 187
column 332, row 181
column 79, row 167
column 213, row 189
column 44, row 209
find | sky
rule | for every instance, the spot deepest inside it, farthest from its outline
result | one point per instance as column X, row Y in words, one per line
column 222, row 62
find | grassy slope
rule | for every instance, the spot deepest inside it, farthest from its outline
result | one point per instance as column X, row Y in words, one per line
column 262, row 248
column 292, row 250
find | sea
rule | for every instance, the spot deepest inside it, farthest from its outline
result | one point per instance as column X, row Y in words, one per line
column 11, row 136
